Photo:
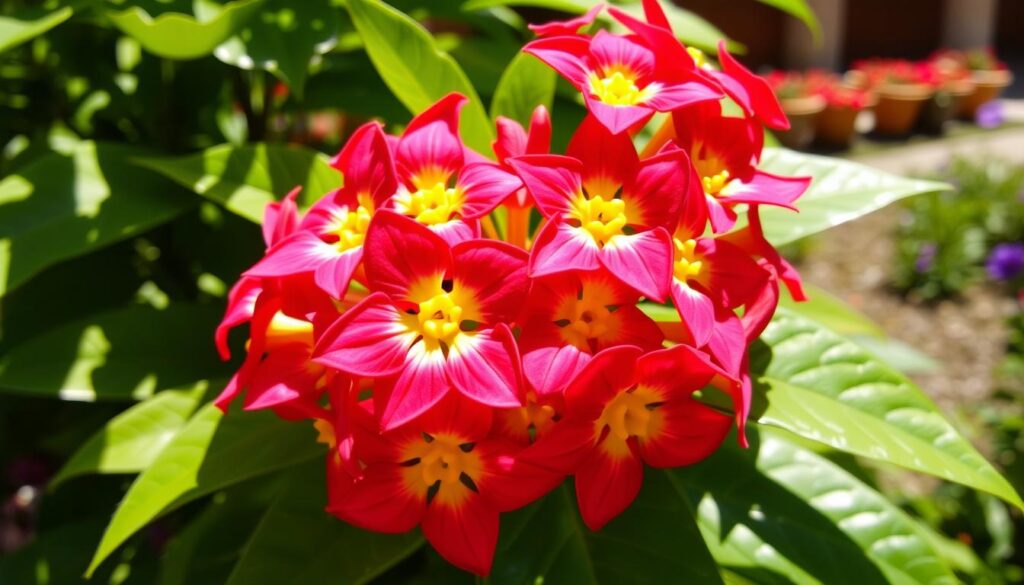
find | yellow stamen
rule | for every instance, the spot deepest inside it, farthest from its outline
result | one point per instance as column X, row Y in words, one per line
column 351, row 228
column 430, row 205
column 699, row 59
column 602, row 218
column 687, row 263
column 440, row 318
column 618, row 88
column 284, row 330
column 714, row 184
column 632, row 413
column 325, row 433
column 442, row 460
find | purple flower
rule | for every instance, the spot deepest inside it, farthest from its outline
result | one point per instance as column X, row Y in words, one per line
column 990, row 114
column 925, row 257
column 1006, row 261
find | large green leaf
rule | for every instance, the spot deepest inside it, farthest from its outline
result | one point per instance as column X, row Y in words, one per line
column 134, row 438
column 841, row 191
column 211, row 452
column 799, row 9
column 525, row 84
column 18, row 28
column 119, row 355
column 61, row 206
column 416, row 70
column 283, row 39
column 777, row 513
column 298, row 542
column 654, row 541
column 828, row 389
column 182, row 36
column 244, row 179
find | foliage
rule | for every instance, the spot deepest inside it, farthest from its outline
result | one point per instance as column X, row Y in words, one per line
column 144, row 139
column 943, row 243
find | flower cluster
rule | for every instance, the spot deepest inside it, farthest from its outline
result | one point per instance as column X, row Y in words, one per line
column 466, row 332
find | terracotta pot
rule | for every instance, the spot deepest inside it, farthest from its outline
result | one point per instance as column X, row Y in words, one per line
column 943, row 106
column 836, row 126
column 988, row 85
column 802, row 113
column 856, row 79
column 899, row 106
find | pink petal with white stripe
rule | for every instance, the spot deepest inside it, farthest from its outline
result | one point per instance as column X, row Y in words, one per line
column 560, row 247
column 643, row 260
column 485, row 366
column 420, row 385
column 553, row 180
column 370, row 339
column 485, row 186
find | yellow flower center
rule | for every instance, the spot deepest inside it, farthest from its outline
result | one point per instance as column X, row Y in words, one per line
column 440, row 318
column 442, row 467
column 632, row 413
column 714, row 184
column 325, row 433
column 618, row 88
column 431, row 205
column 351, row 228
column 699, row 59
column 287, row 331
column 687, row 262
column 602, row 218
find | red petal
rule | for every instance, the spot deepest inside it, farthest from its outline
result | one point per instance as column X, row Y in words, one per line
column 431, row 140
column 567, row 27
column 485, row 366
column 539, row 134
column 696, row 310
column 298, row 253
column 655, row 190
column 495, row 273
column 366, row 164
column 510, row 481
column 420, row 385
column 611, row 51
column 644, row 260
column 609, row 160
column 368, row 340
column 564, row 54
column 750, row 91
column 617, row 119
column 485, row 185
column 334, row 276
column 688, row 432
column 281, row 218
column 548, row 361
column 400, row 252
column 554, row 181
column 607, row 485
column 379, row 501
column 673, row 96
column 610, row 372
column 560, row 247
column 241, row 304
column 766, row 188
column 465, row 535
column 511, row 140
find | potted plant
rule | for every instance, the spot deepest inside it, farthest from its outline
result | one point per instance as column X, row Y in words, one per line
column 843, row 104
column 954, row 84
column 902, row 87
column 801, row 104
column 990, row 77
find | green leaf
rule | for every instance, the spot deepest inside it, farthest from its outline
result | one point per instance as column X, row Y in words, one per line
column 118, row 355
column 130, row 441
column 181, row 36
column 841, row 191
column 525, row 84
column 800, row 10
column 832, row 312
column 18, row 28
column 283, row 39
column 298, row 542
column 60, row 206
column 828, row 389
column 210, row 453
column 244, row 179
column 655, row 540
column 415, row 69
column 778, row 513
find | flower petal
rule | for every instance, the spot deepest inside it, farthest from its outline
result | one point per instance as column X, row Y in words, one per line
column 379, row 501
column 644, row 260
column 607, row 484
column 298, row 253
column 554, row 181
column 367, row 340
column 240, row 307
column 672, row 96
column 696, row 310
column 750, row 91
column 688, row 432
column 367, row 165
column 495, row 273
column 618, row 119
column 431, row 140
column 484, row 186
column 334, row 275
column 559, row 247
column 609, row 160
column 465, row 535
column 610, row 372
column 419, row 386
column 565, row 54
column 652, row 196
column 485, row 366
column 766, row 188
column 399, row 252
column 548, row 361
column 567, row 27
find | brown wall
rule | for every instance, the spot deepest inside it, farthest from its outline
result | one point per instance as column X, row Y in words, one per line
column 1010, row 29
column 892, row 28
